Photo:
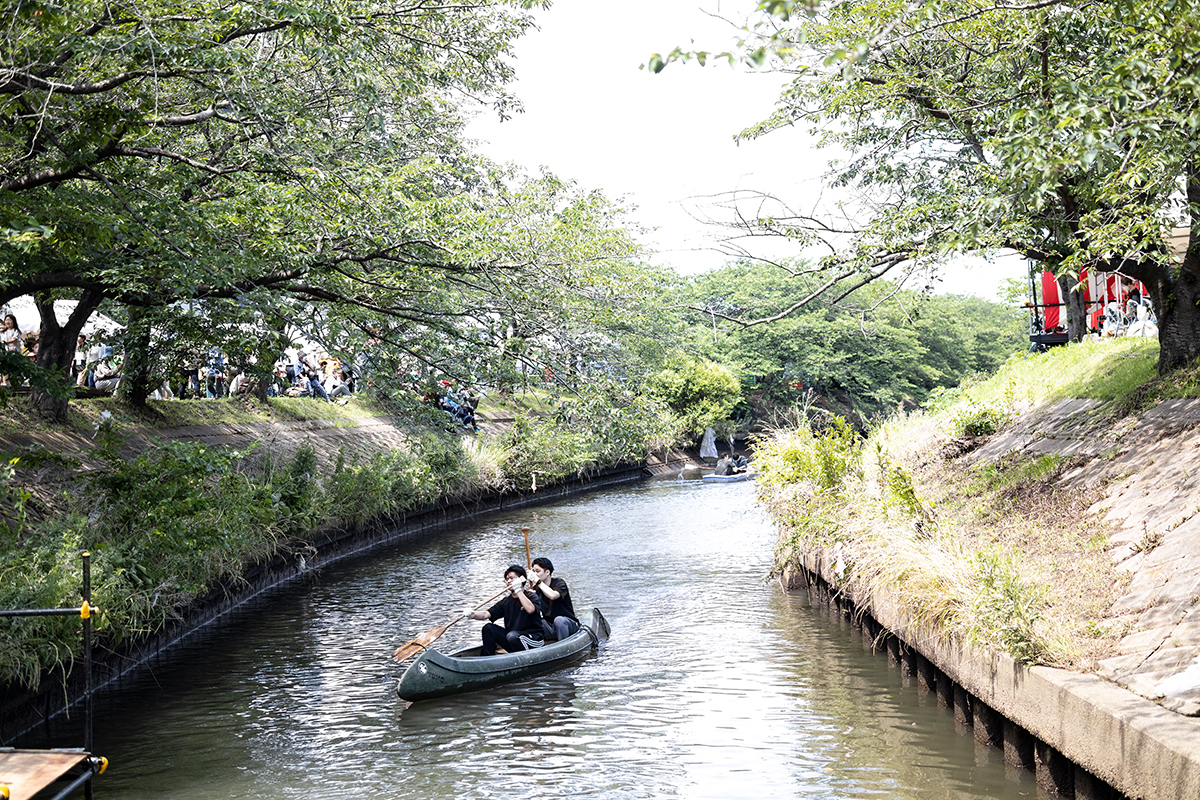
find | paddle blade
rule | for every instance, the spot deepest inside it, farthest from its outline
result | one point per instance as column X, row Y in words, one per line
column 418, row 643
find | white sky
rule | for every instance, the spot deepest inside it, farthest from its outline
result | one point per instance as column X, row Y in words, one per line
column 661, row 142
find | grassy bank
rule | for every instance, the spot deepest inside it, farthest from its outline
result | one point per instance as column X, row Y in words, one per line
column 167, row 524
column 992, row 551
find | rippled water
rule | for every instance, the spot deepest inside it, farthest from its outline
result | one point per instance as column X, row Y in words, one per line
column 715, row 683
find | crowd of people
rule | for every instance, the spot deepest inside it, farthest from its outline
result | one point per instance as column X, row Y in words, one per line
column 97, row 364
column 305, row 373
column 207, row 373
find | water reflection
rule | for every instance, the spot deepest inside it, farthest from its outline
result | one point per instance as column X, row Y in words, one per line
column 715, row 684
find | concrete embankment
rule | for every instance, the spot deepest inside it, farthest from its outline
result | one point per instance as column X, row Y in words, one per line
column 22, row 711
column 1130, row 728
column 1083, row 736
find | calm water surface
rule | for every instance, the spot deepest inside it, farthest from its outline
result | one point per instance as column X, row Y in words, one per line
column 715, row 683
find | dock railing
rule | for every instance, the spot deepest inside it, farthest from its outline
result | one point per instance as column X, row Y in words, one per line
column 24, row 773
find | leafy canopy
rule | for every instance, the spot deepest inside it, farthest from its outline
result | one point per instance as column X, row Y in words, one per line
column 1061, row 130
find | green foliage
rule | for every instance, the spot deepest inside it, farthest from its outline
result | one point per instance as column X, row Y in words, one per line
column 235, row 212
column 173, row 520
column 701, row 393
column 901, row 492
column 296, row 491
column 972, row 419
column 181, row 519
column 20, row 369
column 1111, row 370
column 12, row 501
column 622, row 426
column 599, row 428
column 823, row 458
column 538, row 452
column 1007, row 609
column 42, row 573
column 1013, row 471
column 816, row 519
column 1062, row 132
column 884, row 348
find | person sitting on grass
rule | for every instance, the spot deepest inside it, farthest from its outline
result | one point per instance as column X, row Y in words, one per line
column 521, row 611
column 10, row 339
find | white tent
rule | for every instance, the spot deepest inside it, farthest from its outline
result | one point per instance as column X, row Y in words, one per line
column 28, row 318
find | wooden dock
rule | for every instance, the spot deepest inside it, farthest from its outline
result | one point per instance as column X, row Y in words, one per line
column 24, row 773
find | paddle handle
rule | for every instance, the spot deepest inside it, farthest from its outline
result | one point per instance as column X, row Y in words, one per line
column 421, row 641
column 528, row 560
column 492, row 599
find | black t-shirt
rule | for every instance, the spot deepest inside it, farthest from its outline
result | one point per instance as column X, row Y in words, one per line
column 562, row 606
column 516, row 618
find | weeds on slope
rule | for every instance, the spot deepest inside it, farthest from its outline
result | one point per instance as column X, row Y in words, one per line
column 993, row 553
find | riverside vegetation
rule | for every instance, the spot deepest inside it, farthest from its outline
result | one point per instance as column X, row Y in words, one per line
column 991, row 553
column 167, row 526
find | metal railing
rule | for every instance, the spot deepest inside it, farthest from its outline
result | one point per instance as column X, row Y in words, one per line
column 85, row 612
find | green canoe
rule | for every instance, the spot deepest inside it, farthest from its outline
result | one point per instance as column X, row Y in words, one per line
column 436, row 674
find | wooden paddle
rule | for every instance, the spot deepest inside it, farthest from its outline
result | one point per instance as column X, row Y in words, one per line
column 419, row 643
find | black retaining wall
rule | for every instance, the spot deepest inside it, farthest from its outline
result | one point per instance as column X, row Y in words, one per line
column 1053, row 771
column 23, row 712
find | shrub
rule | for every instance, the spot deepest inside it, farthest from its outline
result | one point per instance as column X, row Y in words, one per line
column 824, row 458
column 701, row 393
column 977, row 420
column 1007, row 609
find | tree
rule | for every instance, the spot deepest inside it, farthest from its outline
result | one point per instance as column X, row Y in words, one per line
column 886, row 347
column 1064, row 131
column 301, row 163
column 180, row 150
column 700, row 392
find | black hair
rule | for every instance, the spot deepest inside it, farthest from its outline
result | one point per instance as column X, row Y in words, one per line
column 544, row 563
column 517, row 568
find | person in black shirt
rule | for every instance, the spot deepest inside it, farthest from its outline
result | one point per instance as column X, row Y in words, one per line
column 521, row 611
column 558, row 615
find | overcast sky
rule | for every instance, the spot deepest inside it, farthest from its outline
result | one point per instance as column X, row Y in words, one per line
column 661, row 142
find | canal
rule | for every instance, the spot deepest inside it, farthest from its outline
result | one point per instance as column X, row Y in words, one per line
column 715, row 683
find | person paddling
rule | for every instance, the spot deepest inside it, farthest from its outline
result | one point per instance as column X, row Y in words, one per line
column 521, row 611
column 558, row 617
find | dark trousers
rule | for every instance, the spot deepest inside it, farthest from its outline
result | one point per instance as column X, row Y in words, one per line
column 498, row 636
column 560, row 629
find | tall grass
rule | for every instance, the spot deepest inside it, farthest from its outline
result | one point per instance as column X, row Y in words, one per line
column 1102, row 370
column 991, row 553
column 874, row 526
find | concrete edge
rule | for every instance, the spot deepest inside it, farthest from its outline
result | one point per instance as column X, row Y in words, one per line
column 1133, row 744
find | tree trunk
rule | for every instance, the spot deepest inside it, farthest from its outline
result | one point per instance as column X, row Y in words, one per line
column 136, row 366
column 1176, row 295
column 1076, row 312
column 56, row 349
column 1178, row 317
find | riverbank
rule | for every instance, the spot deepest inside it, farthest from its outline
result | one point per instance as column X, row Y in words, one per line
column 188, row 521
column 1042, row 552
